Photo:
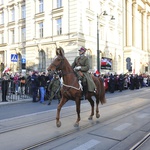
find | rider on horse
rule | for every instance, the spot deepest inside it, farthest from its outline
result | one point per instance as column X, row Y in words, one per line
column 81, row 66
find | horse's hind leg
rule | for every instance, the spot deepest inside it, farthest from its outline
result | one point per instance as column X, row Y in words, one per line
column 97, row 109
column 62, row 102
column 92, row 108
column 78, row 102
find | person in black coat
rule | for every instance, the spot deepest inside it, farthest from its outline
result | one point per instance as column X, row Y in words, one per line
column 5, row 83
column 136, row 81
column 35, row 85
column 42, row 85
column 121, row 82
column 132, row 82
column 141, row 80
column 111, row 83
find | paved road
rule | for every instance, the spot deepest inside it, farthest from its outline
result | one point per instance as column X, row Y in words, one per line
column 125, row 120
column 25, row 106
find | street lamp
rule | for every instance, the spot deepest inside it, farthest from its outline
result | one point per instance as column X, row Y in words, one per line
column 104, row 13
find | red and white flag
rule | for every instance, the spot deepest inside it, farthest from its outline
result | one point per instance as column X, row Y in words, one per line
column 7, row 69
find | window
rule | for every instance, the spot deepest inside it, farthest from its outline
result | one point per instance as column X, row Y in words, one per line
column 12, row 36
column 41, row 9
column 42, row 61
column 23, row 11
column 41, row 29
column 2, row 18
column 59, row 26
column 23, row 34
column 13, row 14
column 59, row 3
column 1, row 37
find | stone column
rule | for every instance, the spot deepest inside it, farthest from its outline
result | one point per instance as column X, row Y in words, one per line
column 135, row 29
column 129, row 23
column 148, row 33
column 144, row 31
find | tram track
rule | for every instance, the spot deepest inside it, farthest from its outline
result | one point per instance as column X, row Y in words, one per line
column 138, row 145
column 81, row 128
column 44, row 120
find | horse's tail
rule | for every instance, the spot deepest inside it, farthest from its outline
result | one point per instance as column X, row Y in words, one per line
column 102, row 92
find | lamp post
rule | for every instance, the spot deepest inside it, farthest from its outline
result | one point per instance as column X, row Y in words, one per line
column 98, row 51
column 104, row 13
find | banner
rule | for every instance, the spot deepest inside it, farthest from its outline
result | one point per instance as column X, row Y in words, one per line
column 106, row 63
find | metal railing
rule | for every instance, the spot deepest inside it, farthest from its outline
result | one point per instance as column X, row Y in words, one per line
column 18, row 91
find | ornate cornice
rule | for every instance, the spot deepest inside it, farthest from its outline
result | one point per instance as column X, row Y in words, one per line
column 57, row 10
column 134, row 1
column 39, row 15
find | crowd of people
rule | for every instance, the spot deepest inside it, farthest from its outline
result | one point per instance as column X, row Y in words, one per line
column 40, row 85
column 43, row 86
column 120, row 82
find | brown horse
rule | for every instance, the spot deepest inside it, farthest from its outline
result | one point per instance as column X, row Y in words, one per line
column 71, row 89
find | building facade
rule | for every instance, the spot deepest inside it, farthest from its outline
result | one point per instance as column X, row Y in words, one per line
column 137, row 34
column 31, row 29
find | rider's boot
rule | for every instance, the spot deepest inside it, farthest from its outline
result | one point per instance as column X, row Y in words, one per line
column 84, row 92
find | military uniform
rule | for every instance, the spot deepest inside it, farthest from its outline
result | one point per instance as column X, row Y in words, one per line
column 81, row 66
column 54, row 88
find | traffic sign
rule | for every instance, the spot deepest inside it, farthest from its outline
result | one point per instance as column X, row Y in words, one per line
column 23, row 60
column 14, row 57
column 128, row 59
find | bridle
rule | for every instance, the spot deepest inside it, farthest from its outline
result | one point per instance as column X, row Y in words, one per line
column 60, row 66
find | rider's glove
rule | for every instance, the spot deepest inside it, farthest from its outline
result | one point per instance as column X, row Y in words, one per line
column 78, row 68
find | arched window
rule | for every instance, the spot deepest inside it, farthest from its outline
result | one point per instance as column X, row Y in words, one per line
column 42, row 61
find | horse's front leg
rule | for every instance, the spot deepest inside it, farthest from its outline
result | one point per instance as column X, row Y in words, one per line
column 62, row 102
column 78, row 102
column 92, row 108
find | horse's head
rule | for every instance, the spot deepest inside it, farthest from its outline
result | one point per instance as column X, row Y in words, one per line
column 57, row 63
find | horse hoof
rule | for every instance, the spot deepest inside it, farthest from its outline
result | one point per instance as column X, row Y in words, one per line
column 98, row 115
column 90, row 118
column 58, row 124
column 76, row 125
